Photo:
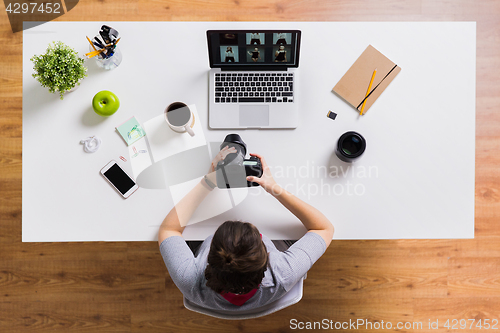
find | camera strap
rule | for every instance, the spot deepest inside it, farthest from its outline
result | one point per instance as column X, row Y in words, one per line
column 226, row 181
column 227, row 186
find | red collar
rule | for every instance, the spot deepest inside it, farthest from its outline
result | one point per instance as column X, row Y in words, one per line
column 236, row 299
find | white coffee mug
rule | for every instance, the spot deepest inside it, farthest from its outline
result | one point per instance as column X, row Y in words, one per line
column 180, row 118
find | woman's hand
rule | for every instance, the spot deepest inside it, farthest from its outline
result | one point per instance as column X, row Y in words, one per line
column 221, row 156
column 266, row 180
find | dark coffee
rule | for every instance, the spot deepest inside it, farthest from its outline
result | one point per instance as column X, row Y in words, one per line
column 178, row 114
column 350, row 146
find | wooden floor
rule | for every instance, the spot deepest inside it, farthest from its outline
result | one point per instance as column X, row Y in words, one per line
column 125, row 287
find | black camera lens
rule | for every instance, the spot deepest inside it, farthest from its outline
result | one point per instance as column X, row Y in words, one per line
column 234, row 140
column 350, row 146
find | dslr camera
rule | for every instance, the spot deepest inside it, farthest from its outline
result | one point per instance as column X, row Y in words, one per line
column 232, row 171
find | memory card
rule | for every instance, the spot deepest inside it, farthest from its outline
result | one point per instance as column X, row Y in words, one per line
column 331, row 115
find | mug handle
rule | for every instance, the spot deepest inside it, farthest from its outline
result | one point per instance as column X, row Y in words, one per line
column 189, row 129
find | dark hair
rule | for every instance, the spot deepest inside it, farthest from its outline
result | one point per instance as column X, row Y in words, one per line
column 237, row 258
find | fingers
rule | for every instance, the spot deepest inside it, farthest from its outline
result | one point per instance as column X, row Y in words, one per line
column 227, row 150
column 221, row 155
column 224, row 152
column 255, row 179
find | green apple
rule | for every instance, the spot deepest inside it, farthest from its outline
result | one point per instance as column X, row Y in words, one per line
column 105, row 103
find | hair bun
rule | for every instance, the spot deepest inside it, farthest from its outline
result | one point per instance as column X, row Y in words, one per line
column 228, row 258
column 237, row 258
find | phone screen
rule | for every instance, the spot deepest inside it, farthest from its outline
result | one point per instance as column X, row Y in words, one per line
column 119, row 179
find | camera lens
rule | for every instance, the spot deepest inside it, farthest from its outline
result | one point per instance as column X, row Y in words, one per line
column 351, row 145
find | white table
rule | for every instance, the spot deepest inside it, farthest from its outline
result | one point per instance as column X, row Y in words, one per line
column 418, row 179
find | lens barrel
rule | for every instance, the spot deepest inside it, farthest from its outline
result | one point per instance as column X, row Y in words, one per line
column 350, row 146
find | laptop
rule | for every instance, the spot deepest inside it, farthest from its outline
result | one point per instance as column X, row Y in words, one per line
column 253, row 78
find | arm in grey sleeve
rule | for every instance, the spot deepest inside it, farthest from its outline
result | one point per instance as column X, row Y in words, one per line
column 294, row 263
column 180, row 263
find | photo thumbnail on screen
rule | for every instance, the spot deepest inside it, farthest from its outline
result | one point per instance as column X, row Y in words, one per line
column 282, row 38
column 282, row 53
column 229, row 53
column 255, row 54
column 228, row 39
column 255, row 38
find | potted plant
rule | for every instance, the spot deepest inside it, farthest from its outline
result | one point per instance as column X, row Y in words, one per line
column 60, row 69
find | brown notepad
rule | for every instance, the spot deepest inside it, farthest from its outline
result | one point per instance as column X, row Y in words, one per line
column 353, row 85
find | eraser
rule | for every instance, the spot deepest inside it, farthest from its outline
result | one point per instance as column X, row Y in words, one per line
column 331, row 115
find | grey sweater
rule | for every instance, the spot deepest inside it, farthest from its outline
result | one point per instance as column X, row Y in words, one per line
column 285, row 269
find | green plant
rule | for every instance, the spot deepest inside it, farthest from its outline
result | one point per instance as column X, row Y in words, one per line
column 59, row 69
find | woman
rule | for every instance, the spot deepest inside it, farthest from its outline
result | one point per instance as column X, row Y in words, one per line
column 229, row 54
column 280, row 54
column 255, row 54
column 281, row 39
column 254, row 38
column 238, row 269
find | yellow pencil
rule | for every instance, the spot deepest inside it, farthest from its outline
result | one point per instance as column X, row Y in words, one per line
column 91, row 43
column 368, row 91
column 93, row 53
column 114, row 43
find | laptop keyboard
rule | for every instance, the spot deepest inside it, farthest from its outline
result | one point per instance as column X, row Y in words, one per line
column 252, row 87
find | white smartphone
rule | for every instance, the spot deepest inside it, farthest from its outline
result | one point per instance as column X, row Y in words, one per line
column 120, row 180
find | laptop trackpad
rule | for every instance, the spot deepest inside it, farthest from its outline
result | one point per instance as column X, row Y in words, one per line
column 254, row 115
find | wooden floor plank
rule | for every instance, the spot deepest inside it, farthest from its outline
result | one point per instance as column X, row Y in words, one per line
column 462, row 312
column 64, row 316
column 40, row 280
column 372, row 277
column 173, row 317
column 10, row 218
column 61, row 251
column 474, row 277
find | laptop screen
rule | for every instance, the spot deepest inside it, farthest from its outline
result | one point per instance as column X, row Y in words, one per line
column 245, row 49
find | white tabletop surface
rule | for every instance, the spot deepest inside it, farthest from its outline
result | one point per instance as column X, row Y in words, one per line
column 415, row 180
